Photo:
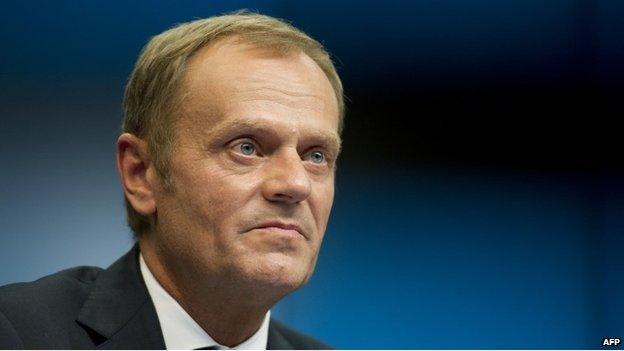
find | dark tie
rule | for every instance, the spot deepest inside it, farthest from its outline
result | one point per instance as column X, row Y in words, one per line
column 213, row 347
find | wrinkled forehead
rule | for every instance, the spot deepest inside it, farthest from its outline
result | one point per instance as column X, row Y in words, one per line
column 233, row 59
column 231, row 74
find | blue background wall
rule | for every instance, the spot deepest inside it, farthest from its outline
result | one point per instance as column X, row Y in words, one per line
column 480, row 198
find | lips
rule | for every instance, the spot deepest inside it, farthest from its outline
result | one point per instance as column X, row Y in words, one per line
column 281, row 227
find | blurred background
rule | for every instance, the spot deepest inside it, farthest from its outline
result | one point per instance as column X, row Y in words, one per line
column 480, row 197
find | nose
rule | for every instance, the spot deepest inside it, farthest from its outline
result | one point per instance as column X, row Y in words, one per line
column 286, row 178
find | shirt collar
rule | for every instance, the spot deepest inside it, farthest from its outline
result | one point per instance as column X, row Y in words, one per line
column 180, row 330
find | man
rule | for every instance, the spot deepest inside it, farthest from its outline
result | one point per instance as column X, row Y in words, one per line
column 227, row 161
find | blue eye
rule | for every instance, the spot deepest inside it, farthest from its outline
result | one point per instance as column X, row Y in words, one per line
column 247, row 148
column 317, row 157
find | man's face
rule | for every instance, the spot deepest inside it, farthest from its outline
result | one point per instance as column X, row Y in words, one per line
column 252, row 168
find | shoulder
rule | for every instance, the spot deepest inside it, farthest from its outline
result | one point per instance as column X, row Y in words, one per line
column 45, row 304
column 59, row 288
column 299, row 341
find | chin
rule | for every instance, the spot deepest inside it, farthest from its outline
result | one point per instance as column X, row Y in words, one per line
column 281, row 273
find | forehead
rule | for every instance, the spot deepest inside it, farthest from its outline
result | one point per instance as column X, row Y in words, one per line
column 230, row 78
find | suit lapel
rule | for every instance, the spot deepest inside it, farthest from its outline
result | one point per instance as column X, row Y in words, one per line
column 119, row 312
column 276, row 339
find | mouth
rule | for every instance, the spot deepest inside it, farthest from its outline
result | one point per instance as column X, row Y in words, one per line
column 281, row 228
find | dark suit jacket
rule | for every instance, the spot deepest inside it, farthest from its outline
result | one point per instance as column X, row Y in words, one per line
column 88, row 308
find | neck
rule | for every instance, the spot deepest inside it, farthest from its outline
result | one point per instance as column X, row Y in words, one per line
column 229, row 312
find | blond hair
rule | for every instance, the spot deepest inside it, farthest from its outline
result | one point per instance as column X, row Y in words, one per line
column 152, row 95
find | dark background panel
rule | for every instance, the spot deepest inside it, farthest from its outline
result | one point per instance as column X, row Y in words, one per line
column 479, row 198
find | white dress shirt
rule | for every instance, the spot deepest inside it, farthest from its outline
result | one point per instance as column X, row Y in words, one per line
column 180, row 330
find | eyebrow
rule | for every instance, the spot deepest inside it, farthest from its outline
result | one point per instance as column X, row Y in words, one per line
column 330, row 139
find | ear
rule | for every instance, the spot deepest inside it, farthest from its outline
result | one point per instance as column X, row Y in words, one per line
column 136, row 173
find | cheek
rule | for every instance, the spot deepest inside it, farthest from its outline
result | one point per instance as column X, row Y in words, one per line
column 322, row 205
column 214, row 196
